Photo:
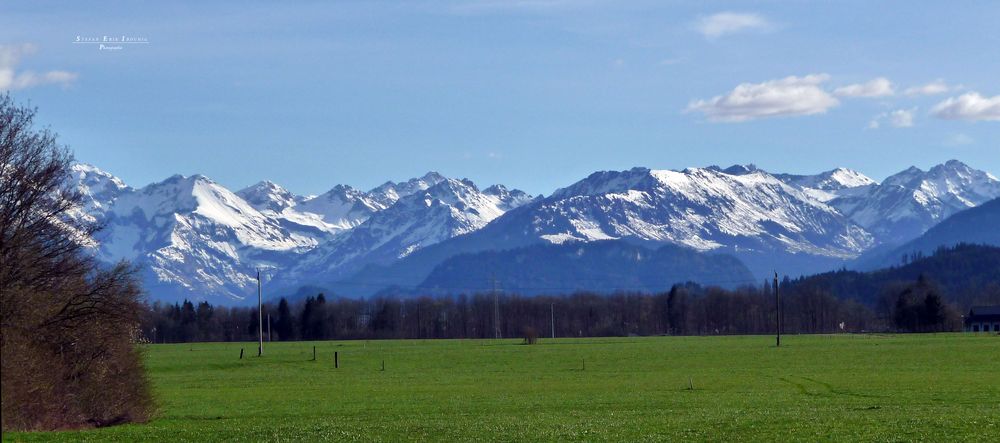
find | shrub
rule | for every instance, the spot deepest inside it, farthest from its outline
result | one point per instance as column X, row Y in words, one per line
column 68, row 325
column 530, row 335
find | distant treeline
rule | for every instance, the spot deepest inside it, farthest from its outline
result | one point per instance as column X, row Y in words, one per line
column 915, row 306
column 964, row 274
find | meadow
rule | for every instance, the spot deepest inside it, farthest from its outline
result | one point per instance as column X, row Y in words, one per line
column 930, row 387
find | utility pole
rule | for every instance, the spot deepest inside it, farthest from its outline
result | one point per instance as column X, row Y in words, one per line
column 260, row 318
column 552, row 310
column 496, row 309
column 777, row 311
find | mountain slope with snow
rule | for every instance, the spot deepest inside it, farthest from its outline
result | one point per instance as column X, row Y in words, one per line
column 747, row 213
column 906, row 204
column 700, row 208
column 98, row 190
column 979, row 225
column 418, row 218
column 269, row 196
column 832, row 184
column 196, row 239
column 342, row 207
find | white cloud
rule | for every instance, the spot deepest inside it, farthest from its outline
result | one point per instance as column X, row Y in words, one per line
column 879, row 87
column 970, row 106
column 789, row 96
column 12, row 79
column 933, row 88
column 724, row 23
column 900, row 118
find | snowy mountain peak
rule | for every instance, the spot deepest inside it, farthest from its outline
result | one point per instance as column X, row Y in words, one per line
column 342, row 207
column 96, row 184
column 465, row 196
column 951, row 177
column 98, row 190
column 343, row 190
column 268, row 196
column 515, row 196
column 750, row 213
column 432, row 176
column 904, row 177
column 955, row 169
column 90, row 175
column 197, row 239
column 496, row 190
column 846, row 178
column 829, row 181
column 389, row 192
column 906, row 204
column 603, row 182
column 446, row 209
column 741, row 169
column 195, row 194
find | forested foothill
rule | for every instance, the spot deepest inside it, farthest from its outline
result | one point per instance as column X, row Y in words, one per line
column 926, row 294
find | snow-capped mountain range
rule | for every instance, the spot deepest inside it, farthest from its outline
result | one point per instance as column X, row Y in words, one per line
column 194, row 238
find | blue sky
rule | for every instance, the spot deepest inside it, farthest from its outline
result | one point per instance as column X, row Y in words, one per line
column 532, row 93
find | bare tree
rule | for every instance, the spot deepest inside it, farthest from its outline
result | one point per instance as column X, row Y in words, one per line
column 67, row 323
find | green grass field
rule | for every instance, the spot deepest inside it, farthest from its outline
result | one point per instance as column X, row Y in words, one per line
column 847, row 388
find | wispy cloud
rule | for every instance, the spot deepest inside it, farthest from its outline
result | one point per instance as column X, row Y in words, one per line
column 971, row 106
column 725, row 23
column 790, row 96
column 12, row 79
column 959, row 139
column 878, row 87
column 933, row 88
column 900, row 118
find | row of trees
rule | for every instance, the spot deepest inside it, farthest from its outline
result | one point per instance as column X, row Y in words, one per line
column 684, row 310
column 919, row 307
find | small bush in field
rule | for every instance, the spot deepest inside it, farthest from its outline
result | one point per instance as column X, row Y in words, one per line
column 530, row 335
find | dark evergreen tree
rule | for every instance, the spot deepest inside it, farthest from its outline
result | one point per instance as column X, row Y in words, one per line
column 285, row 325
column 677, row 310
column 306, row 319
